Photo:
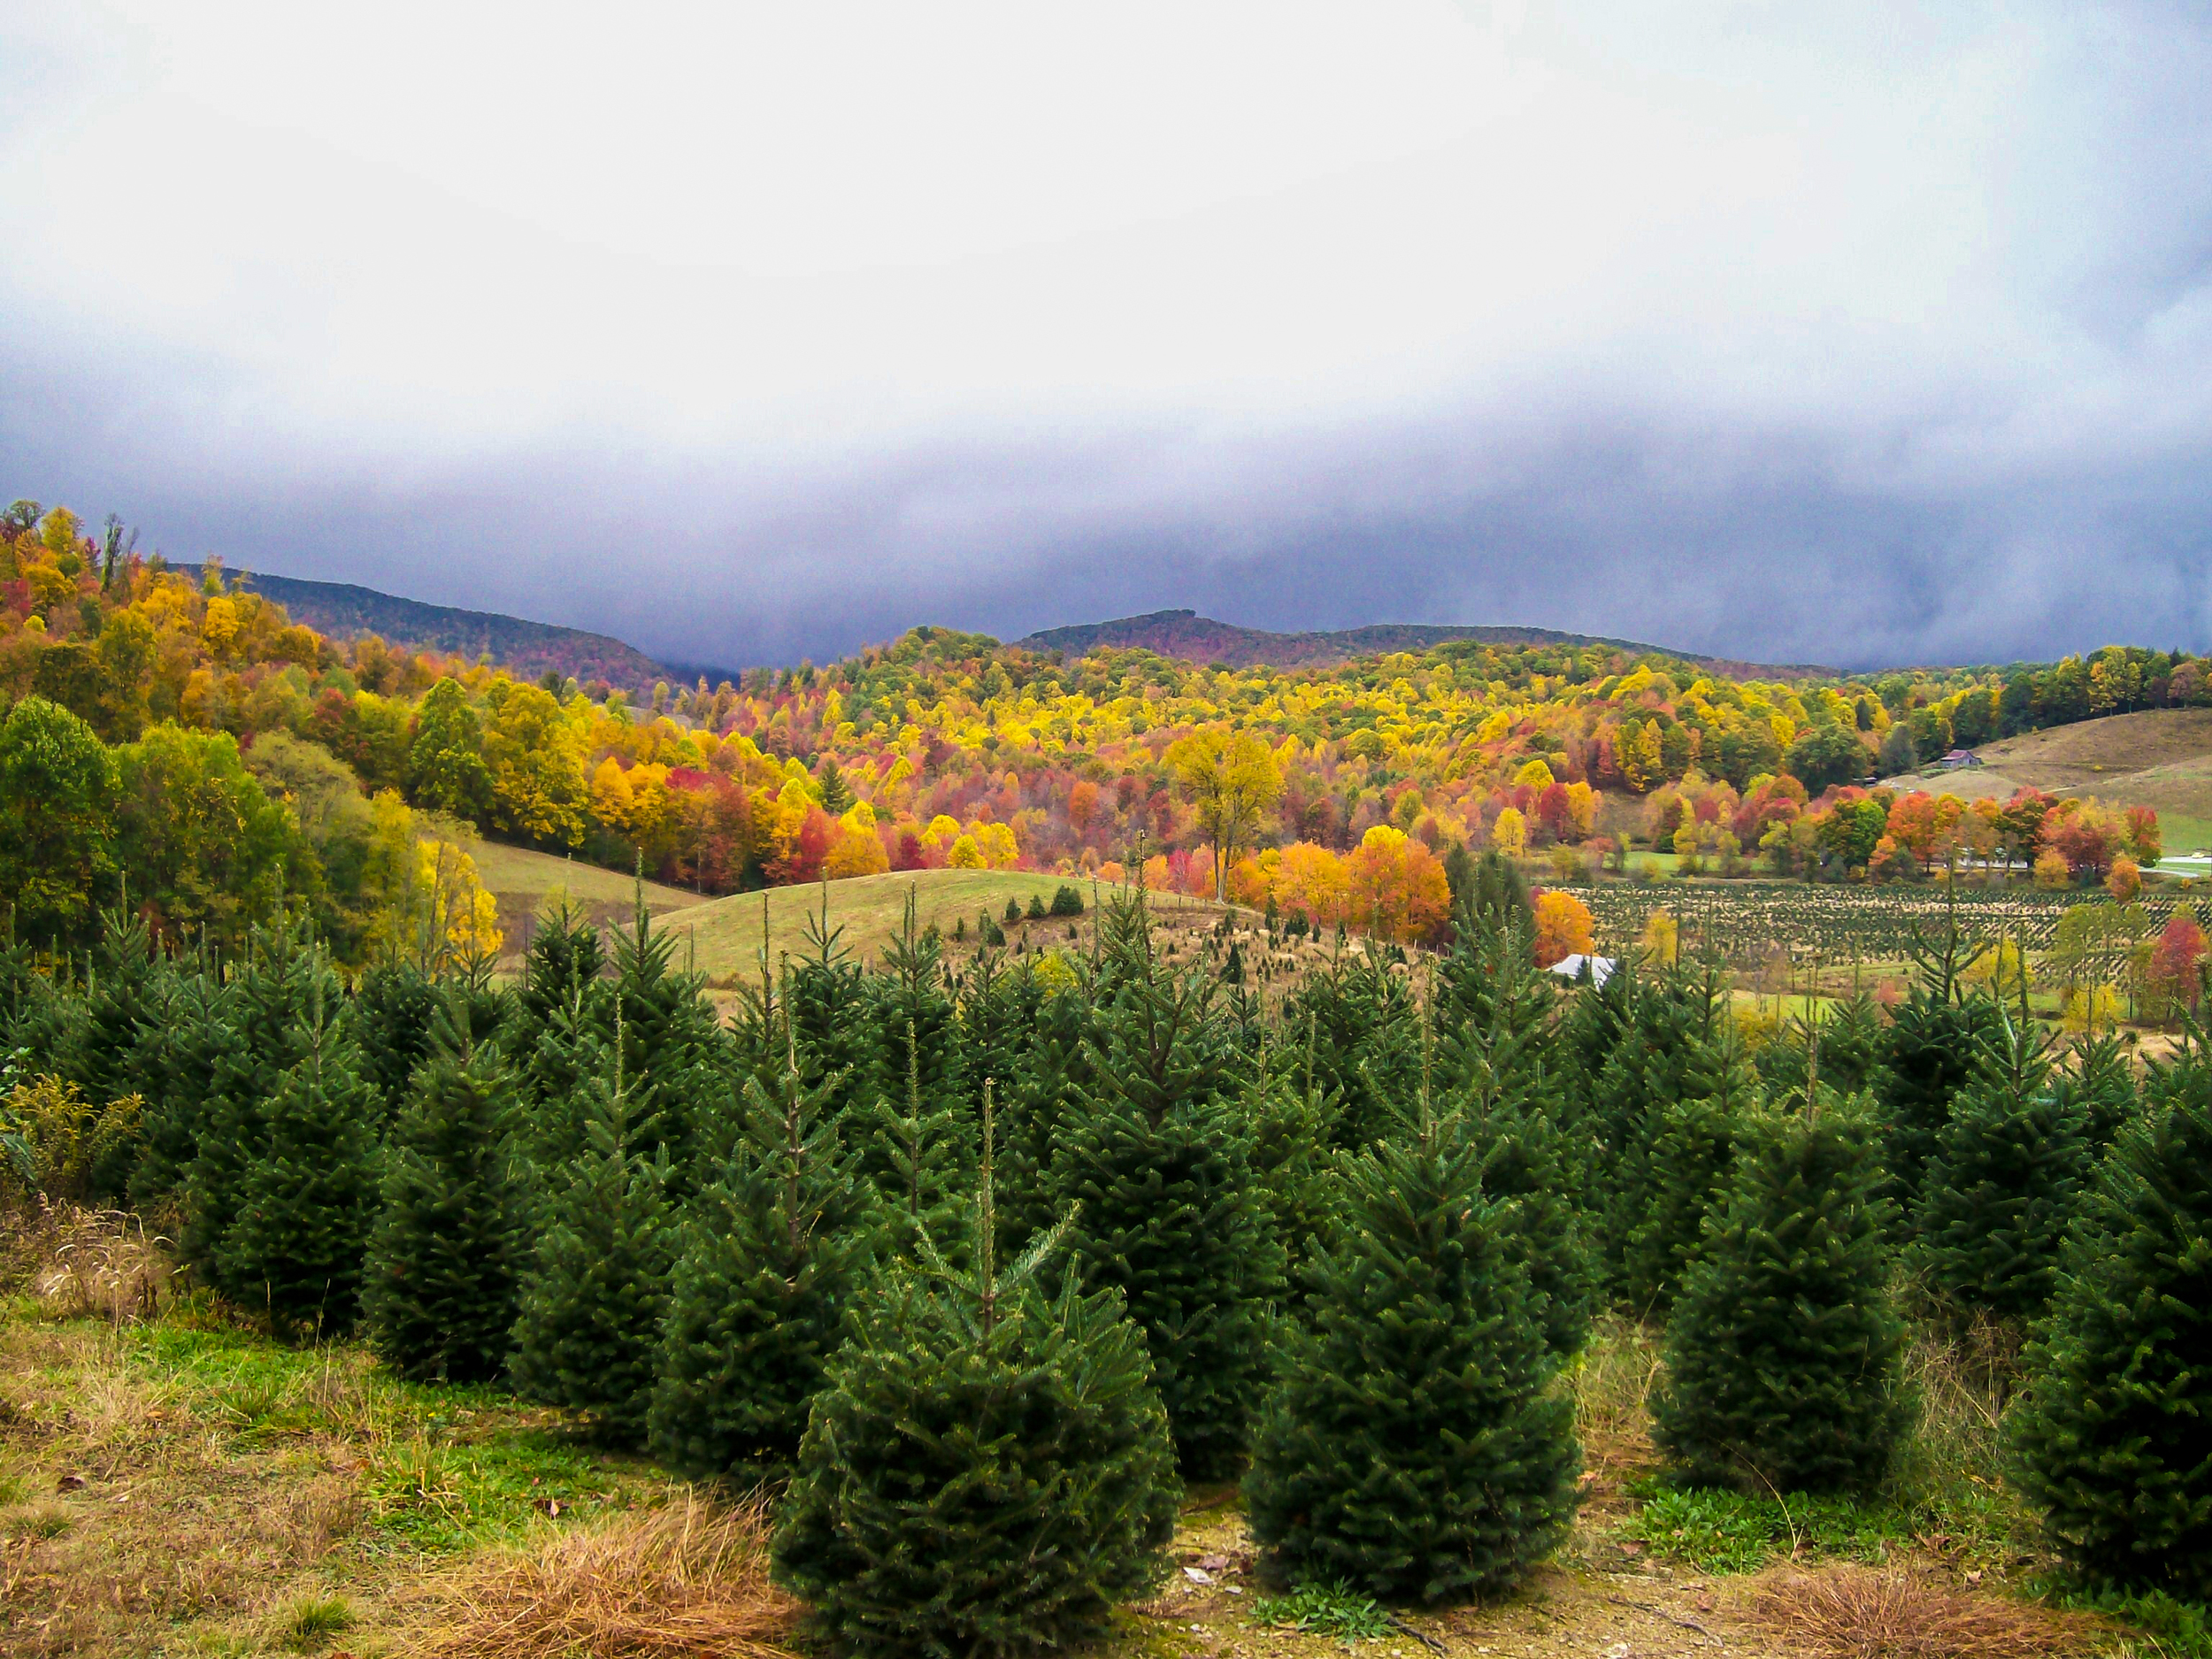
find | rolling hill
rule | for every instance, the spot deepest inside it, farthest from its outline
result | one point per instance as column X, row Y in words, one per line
column 1189, row 637
column 2160, row 758
column 527, row 649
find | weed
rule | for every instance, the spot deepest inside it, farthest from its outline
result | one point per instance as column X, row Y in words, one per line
column 309, row 1624
column 46, row 1521
column 2175, row 1630
column 1336, row 1609
column 1612, row 1377
column 1720, row 1531
column 13, row 1490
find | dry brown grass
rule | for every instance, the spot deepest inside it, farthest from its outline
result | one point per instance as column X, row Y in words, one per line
column 1613, row 1380
column 1854, row 1612
column 687, row 1580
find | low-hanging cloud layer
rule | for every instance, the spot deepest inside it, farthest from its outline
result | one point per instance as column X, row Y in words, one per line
column 750, row 333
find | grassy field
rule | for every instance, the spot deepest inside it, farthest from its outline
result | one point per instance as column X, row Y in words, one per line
column 723, row 937
column 178, row 1484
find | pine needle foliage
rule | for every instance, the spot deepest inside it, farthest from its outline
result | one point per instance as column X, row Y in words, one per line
column 2008, row 1175
column 1414, row 1445
column 2113, row 1435
column 1159, row 1165
column 987, row 1470
column 593, row 1297
column 447, row 1245
column 1783, row 1353
column 774, row 1252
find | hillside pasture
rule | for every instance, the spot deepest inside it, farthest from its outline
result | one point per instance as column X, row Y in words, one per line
column 522, row 881
column 723, row 937
column 2160, row 758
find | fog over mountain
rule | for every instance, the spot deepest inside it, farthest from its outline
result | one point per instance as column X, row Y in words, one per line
column 745, row 333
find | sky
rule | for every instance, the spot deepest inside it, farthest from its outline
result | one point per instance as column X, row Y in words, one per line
column 1863, row 335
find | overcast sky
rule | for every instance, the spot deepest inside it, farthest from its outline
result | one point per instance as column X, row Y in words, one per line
column 1849, row 334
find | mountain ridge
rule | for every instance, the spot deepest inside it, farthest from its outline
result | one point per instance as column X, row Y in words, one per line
column 343, row 611
column 1188, row 637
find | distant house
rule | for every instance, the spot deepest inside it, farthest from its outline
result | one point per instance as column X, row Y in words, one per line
column 1599, row 968
column 1959, row 760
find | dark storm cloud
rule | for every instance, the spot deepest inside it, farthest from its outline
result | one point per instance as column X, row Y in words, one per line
column 1751, row 333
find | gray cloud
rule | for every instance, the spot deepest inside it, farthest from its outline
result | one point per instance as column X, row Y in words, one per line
column 1885, row 346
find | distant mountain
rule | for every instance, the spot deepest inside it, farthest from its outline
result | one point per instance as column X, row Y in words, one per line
column 525, row 649
column 1190, row 638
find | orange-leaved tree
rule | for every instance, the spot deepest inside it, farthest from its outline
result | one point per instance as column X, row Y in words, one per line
column 1563, row 927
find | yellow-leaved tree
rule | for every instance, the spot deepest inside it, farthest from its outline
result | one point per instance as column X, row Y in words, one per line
column 1232, row 779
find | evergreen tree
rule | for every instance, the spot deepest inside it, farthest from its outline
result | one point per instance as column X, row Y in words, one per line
column 1158, row 1169
column 593, row 1300
column 1500, row 1059
column 773, row 1257
column 558, row 1003
column 2008, row 1173
column 1414, row 1445
column 107, row 1059
column 184, row 1035
column 2102, row 1079
column 306, row 1195
column 673, row 1054
column 987, row 1472
column 393, row 1012
column 1929, row 1054
column 265, row 1018
column 440, row 1295
column 1364, row 1031
column 1784, row 1353
column 913, row 1159
column 825, row 1001
column 2113, row 1434
column 1688, row 1161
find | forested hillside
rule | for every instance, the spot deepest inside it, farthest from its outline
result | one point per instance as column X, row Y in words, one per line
column 344, row 612
column 192, row 751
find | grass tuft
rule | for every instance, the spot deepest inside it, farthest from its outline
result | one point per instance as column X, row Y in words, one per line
column 310, row 1624
column 687, row 1580
column 1336, row 1609
column 1855, row 1612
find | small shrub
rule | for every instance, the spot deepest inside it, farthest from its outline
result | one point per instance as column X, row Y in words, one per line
column 1066, row 900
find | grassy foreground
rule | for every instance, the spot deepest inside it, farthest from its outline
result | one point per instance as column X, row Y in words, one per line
column 172, row 1484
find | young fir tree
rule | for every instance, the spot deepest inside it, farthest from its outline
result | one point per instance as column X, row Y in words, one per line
column 1414, row 1445
column 124, row 978
column 184, row 1035
column 1157, row 1168
column 306, row 1196
column 592, row 1299
column 2006, row 1177
column 440, row 1296
column 912, row 1156
column 987, row 1472
column 1662, row 1106
column 1500, row 1059
column 774, row 1255
column 2102, row 1079
column 265, row 1016
column 1363, row 1032
column 392, row 1013
column 1928, row 1056
column 825, row 998
column 2113, row 1435
column 561, row 977
column 1784, row 1352
column 673, row 1052
column 1688, row 1161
